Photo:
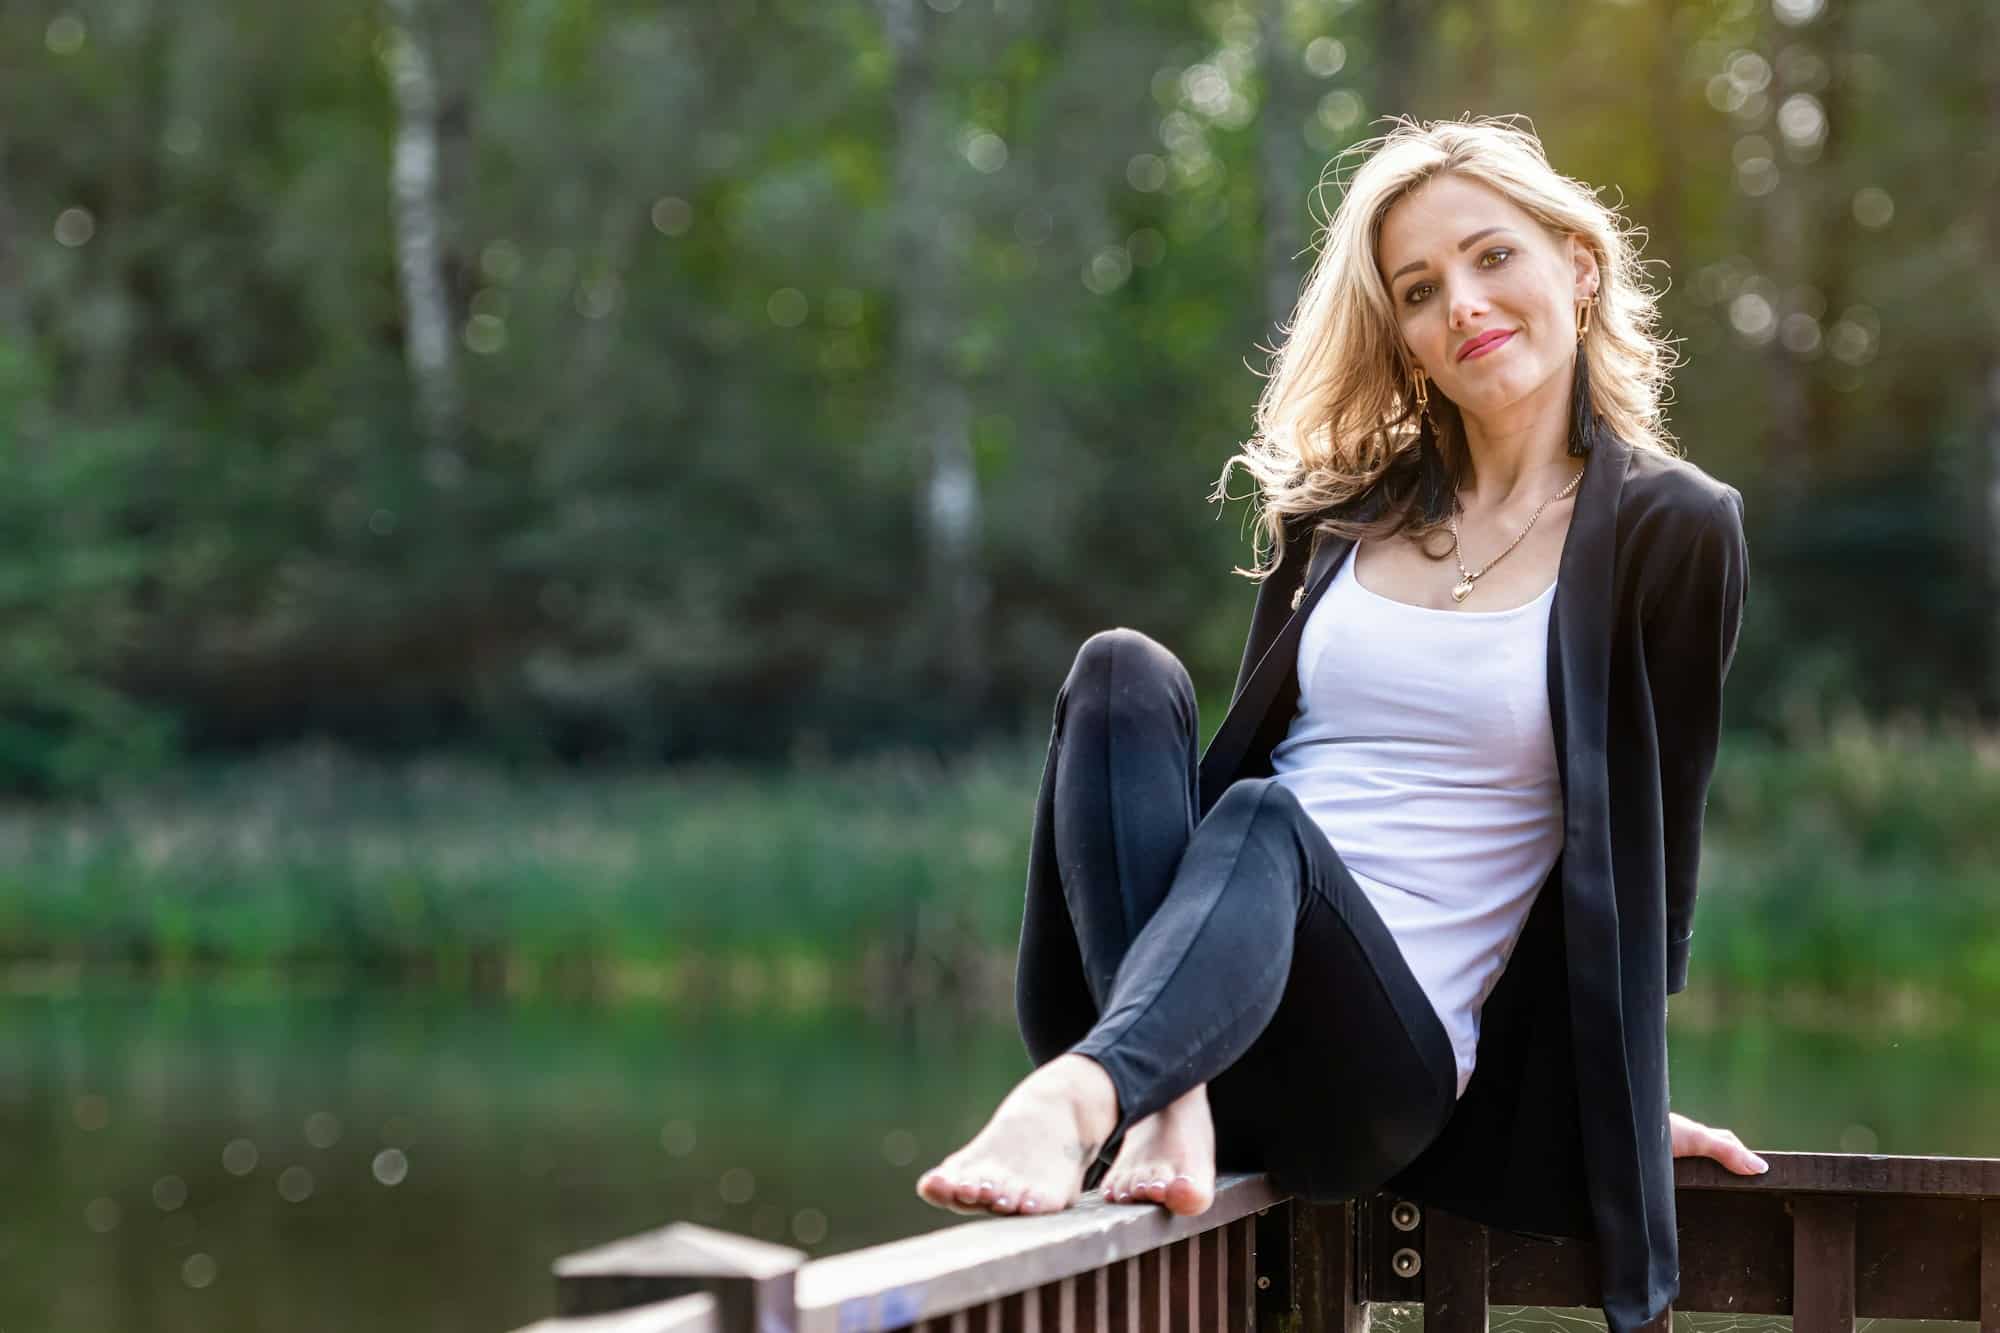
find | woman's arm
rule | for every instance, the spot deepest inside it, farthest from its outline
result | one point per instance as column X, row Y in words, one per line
column 1691, row 624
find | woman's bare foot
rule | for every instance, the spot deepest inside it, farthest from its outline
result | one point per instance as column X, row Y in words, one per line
column 1032, row 1154
column 1168, row 1158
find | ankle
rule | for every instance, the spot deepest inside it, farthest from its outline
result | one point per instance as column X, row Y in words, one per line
column 1092, row 1095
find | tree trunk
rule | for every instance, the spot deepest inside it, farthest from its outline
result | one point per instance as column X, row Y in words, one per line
column 419, row 215
column 13, row 290
column 933, row 403
column 1279, row 127
column 1790, row 243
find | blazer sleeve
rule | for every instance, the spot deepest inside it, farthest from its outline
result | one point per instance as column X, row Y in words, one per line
column 1691, row 627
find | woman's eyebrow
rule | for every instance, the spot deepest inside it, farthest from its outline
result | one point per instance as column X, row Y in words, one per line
column 1412, row 268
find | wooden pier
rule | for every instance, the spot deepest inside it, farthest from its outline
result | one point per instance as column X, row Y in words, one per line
column 1826, row 1238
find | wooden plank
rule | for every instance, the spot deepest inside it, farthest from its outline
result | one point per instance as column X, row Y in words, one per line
column 958, row 1266
column 1153, row 1293
column 1324, row 1288
column 1055, row 1307
column 1989, row 1266
column 1126, row 1296
column 1240, row 1279
column 1021, row 1313
column 1849, row 1173
column 1211, row 1292
column 1183, row 1274
column 1823, row 1264
column 752, row 1280
column 1454, row 1273
column 694, row 1313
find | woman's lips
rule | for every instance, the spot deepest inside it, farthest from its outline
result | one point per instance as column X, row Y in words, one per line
column 1482, row 348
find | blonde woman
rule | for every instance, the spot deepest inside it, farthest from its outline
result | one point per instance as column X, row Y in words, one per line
column 1412, row 919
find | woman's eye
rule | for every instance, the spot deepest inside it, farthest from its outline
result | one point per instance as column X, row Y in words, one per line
column 1506, row 252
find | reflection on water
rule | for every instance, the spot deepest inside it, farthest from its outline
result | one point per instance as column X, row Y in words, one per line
column 215, row 1159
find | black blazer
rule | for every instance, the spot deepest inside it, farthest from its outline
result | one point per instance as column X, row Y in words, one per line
column 1562, row 1130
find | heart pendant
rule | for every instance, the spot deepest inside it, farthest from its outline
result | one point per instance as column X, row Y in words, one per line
column 1460, row 589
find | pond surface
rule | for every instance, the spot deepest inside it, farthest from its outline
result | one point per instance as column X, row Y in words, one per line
column 214, row 1159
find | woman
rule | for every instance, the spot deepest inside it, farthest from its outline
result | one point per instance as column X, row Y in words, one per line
column 1412, row 920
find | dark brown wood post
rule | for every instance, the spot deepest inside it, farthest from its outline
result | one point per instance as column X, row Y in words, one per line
column 1324, row 1288
column 1823, row 1263
column 1455, row 1268
column 751, row 1280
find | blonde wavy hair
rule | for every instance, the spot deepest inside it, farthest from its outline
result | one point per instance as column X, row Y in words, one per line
column 1338, row 434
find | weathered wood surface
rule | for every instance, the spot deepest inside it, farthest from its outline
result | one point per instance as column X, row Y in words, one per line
column 1918, row 1247
column 1827, row 1238
column 892, row 1285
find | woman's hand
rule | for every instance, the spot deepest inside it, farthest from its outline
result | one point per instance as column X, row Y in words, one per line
column 1691, row 1138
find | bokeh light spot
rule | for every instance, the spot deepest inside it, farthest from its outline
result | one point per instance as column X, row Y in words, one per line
column 101, row 1215
column 65, row 34
column 737, row 1185
column 198, row 1270
column 322, row 1129
column 1873, row 208
column 809, row 1226
column 169, row 1193
column 391, row 1166
column 239, row 1157
column 899, row 1147
column 74, row 227
column 295, row 1184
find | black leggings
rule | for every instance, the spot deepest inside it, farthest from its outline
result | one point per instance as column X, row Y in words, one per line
column 1237, row 951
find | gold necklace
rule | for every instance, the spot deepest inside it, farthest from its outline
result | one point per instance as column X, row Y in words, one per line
column 1466, row 579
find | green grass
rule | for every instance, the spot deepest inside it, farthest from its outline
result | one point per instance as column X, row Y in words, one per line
column 1869, row 861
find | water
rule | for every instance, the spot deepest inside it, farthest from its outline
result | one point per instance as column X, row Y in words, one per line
column 217, row 1159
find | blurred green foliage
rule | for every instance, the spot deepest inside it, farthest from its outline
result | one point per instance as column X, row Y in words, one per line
column 705, row 264
column 1861, row 865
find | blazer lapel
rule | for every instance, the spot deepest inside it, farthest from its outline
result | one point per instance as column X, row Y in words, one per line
column 1276, row 663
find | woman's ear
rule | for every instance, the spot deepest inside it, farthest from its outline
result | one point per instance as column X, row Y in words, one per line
column 1583, row 265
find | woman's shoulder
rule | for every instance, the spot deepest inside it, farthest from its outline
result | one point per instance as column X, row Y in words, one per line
column 1670, row 497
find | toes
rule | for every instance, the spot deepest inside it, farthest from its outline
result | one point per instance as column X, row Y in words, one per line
column 1187, row 1196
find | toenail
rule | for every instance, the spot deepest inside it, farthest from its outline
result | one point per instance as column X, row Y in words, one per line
column 1000, row 1202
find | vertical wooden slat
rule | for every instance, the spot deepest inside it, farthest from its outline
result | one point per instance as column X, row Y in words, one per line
column 1152, row 1302
column 1022, row 1312
column 1455, row 1269
column 1240, row 1305
column 1183, row 1280
column 1323, row 1278
column 1823, row 1263
column 1212, row 1296
column 1057, row 1302
column 1989, row 1266
column 1128, row 1297
column 1093, row 1301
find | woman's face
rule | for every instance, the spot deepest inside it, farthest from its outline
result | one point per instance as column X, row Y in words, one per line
column 1460, row 262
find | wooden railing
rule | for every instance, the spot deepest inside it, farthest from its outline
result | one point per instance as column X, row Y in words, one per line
column 1824, row 1238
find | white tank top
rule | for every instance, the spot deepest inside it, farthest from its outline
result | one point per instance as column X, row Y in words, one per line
column 1422, row 746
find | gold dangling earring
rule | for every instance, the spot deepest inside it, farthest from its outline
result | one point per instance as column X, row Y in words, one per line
column 1423, row 394
column 1584, row 327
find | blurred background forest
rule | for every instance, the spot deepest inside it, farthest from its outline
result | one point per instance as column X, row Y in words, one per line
column 586, row 498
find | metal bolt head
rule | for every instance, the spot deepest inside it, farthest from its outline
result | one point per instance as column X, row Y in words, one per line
column 1407, row 1262
column 1405, row 1215
column 1263, row 1283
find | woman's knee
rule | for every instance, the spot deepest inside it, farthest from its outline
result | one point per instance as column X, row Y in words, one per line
column 1128, row 668
column 1255, row 801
